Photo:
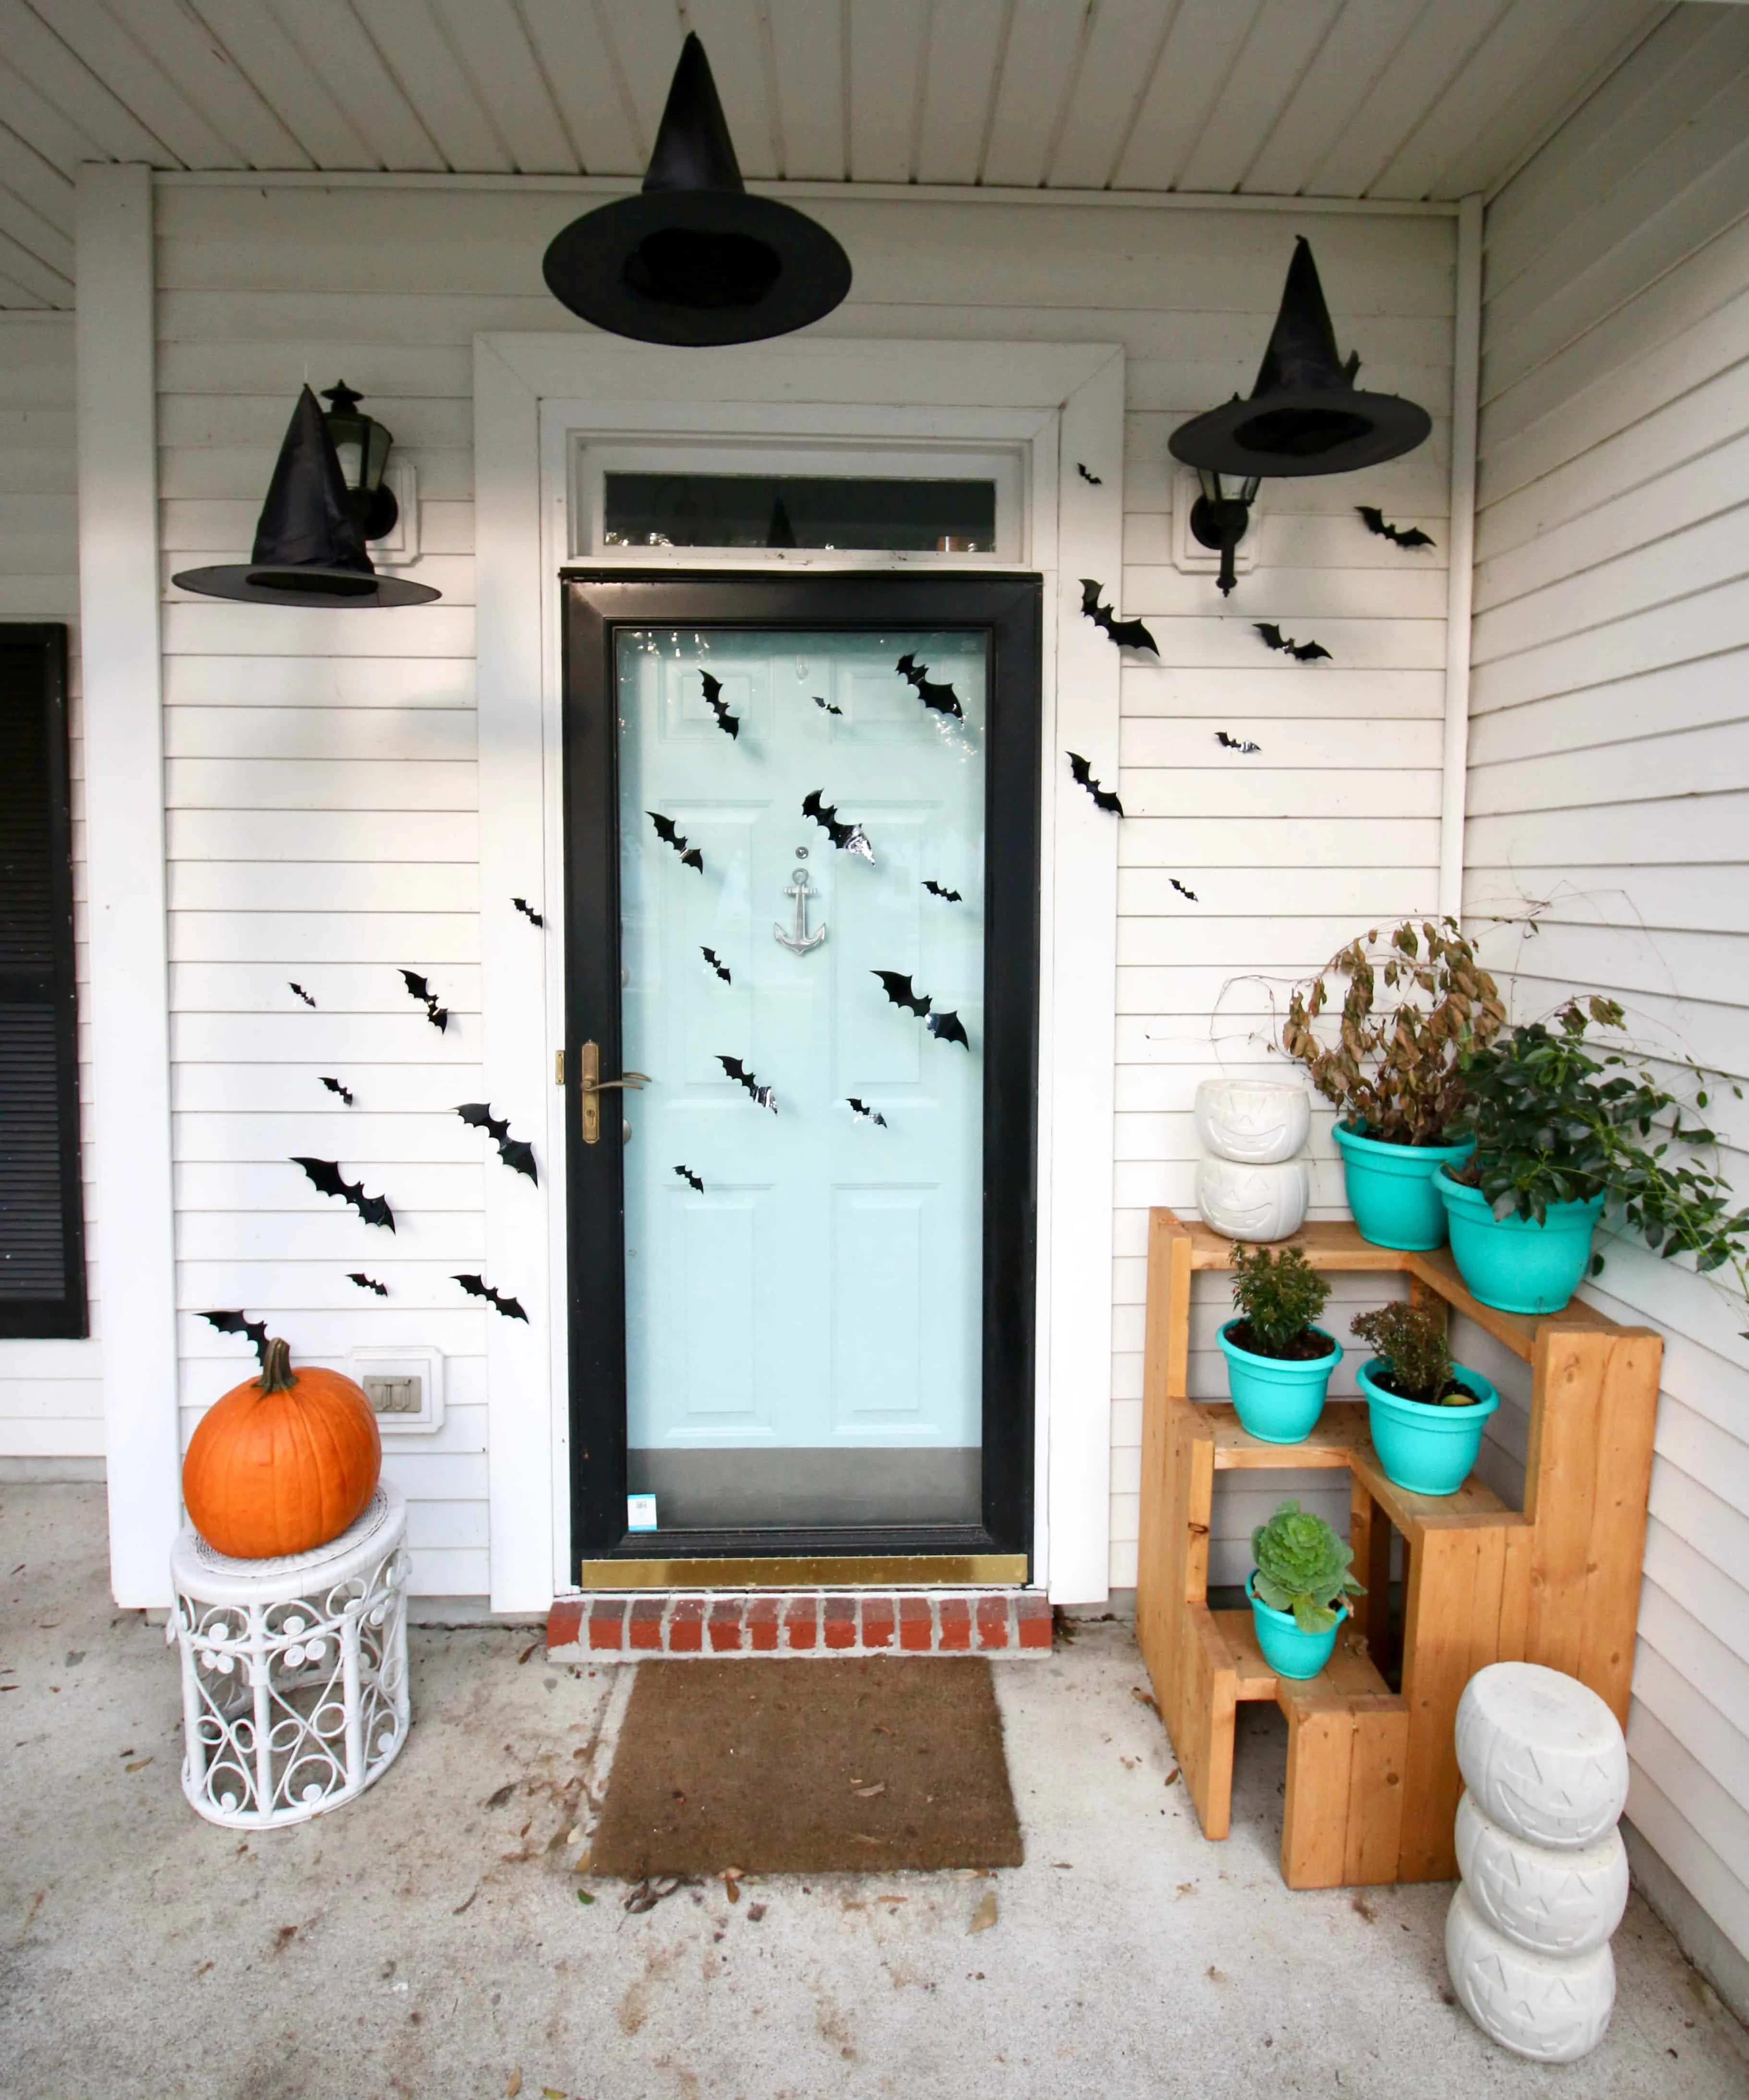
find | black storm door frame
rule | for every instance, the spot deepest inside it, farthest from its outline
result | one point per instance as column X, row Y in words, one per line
column 1008, row 610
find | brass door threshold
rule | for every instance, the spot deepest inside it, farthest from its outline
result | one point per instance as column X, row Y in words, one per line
column 922, row 1571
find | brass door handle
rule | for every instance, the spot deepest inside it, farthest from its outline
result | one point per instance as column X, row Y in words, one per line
column 591, row 1087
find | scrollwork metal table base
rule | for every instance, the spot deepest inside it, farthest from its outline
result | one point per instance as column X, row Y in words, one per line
column 293, row 1670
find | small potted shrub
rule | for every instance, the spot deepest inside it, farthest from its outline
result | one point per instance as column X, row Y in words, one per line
column 1413, row 1006
column 1560, row 1132
column 1425, row 1412
column 1278, row 1362
column 1298, row 1590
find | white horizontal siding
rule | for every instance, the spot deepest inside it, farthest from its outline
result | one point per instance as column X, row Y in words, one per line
column 52, row 1403
column 1607, row 844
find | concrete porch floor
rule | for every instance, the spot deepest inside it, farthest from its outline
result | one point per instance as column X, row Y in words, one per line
column 423, row 1942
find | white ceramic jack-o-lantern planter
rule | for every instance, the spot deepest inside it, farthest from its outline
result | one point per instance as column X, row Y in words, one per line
column 1254, row 1203
column 1260, row 1122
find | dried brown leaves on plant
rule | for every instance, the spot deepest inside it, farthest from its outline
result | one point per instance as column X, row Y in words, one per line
column 1413, row 1004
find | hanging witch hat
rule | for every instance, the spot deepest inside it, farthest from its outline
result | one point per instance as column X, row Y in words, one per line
column 693, row 259
column 309, row 549
column 1305, row 415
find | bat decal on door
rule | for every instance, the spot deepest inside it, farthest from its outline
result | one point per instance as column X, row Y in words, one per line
column 946, row 1027
column 670, row 835
column 943, row 699
column 847, row 838
column 731, row 724
column 764, row 1096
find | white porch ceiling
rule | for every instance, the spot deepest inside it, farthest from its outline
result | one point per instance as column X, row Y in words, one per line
column 1376, row 99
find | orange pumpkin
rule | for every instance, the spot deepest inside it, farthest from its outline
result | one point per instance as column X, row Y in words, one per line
column 283, row 1462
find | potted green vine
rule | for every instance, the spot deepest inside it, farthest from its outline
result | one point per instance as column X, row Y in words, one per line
column 1278, row 1362
column 1561, row 1130
column 1425, row 1413
column 1411, row 1007
column 1298, row 1590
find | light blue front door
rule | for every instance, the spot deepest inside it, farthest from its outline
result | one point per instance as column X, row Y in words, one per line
column 802, row 829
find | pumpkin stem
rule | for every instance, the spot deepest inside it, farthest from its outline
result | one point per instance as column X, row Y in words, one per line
column 277, row 1372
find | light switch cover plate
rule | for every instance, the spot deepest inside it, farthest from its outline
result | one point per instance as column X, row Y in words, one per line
column 425, row 1365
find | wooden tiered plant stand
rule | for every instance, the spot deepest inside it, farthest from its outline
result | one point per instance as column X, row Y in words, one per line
column 1372, row 1778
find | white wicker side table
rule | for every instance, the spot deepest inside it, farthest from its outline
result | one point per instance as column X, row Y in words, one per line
column 293, row 1670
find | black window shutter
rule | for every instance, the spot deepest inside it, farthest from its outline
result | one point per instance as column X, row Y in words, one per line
column 42, row 1210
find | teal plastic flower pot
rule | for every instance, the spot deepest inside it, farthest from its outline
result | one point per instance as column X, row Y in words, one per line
column 1287, row 1651
column 1390, row 1189
column 1278, row 1398
column 1428, row 1450
column 1512, row 1262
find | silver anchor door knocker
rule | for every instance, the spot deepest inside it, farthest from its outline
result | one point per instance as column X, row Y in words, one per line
column 799, row 942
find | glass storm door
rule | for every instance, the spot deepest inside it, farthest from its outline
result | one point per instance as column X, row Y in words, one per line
column 790, row 1191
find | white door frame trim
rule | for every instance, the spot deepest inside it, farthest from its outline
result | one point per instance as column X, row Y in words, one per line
column 1065, row 402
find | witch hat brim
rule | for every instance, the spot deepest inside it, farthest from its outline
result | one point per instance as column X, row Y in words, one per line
column 309, row 548
column 693, row 260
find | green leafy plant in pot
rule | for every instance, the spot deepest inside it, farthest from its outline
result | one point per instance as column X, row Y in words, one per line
column 1412, row 1006
column 1425, row 1413
column 1297, row 1589
column 1563, row 1128
column 1278, row 1363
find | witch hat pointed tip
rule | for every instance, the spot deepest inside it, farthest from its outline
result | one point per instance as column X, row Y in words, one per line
column 1302, row 346
column 693, row 147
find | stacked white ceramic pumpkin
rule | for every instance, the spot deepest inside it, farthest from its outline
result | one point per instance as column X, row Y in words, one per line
column 1251, row 1182
column 1544, row 1870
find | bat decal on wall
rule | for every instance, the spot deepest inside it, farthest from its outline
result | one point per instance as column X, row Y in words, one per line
column 764, row 1096
column 947, row 896
column 1302, row 652
column 847, row 838
column 513, row 1151
column 665, row 830
column 476, row 1286
column 334, row 1086
column 527, row 910
column 719, row 706
column 864, row 1113
column 367, row 1282
column 1178, row 885
column 303, row 994
column 1399, row 535
column 717, row 964
column 691, row 1180
column 418, row 988
column 234, row 1323
column 826, row 705
column 1103, row 798
column 326, row 1177
column 945, row 1027
column 1233, row 743
column 1093, row 478
column 943, row 699
column 1126, row 633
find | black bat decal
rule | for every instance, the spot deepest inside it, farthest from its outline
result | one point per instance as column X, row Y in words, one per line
column 417, row 988
column 1397, row 535
column 947, row 896
column 513, row 1151
column 303, row 994
column 234, row 1323
column 1103, row 798
column 527, row 910
column 666, row 831
column 737, row 1071
column 719, row 706
column 367, row 1282
column 864, row 1113
column 945, row 1025
column 847, row 838
column 334, row 1086
column 1178, row 885
column 828, row 705
column 1302, row 652
column 717, row 964
column 1093, row 478
column 325, row 1176
column 476, row 1286
column 1126, row 633
column 943, row 699
column 690, row 1179
column 1234, row 743
column 949, row 1028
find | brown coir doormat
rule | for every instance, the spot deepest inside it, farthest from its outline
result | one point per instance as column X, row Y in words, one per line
column 808, row 1768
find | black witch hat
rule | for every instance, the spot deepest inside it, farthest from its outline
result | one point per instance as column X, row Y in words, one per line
column 309, row 549
column 1305, row 414
column 693, row 259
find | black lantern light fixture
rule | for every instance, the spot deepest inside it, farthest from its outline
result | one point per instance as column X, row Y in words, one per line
column 310, row 538
column 693, row 259
column 361, row 445
column 1304, row 416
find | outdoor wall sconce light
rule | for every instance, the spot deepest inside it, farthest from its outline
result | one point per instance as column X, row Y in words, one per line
column 310, row 538
column 1305, row 416
column 361, row 445
column 693, row 259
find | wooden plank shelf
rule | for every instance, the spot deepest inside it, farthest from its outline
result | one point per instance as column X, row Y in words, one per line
column 1372, row 1779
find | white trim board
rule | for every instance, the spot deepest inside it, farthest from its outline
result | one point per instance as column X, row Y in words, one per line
column 1062, row 403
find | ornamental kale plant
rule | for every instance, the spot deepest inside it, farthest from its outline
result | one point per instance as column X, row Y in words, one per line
column 1411, row 1343
column 1276, row 1298
column 1302, row 1568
